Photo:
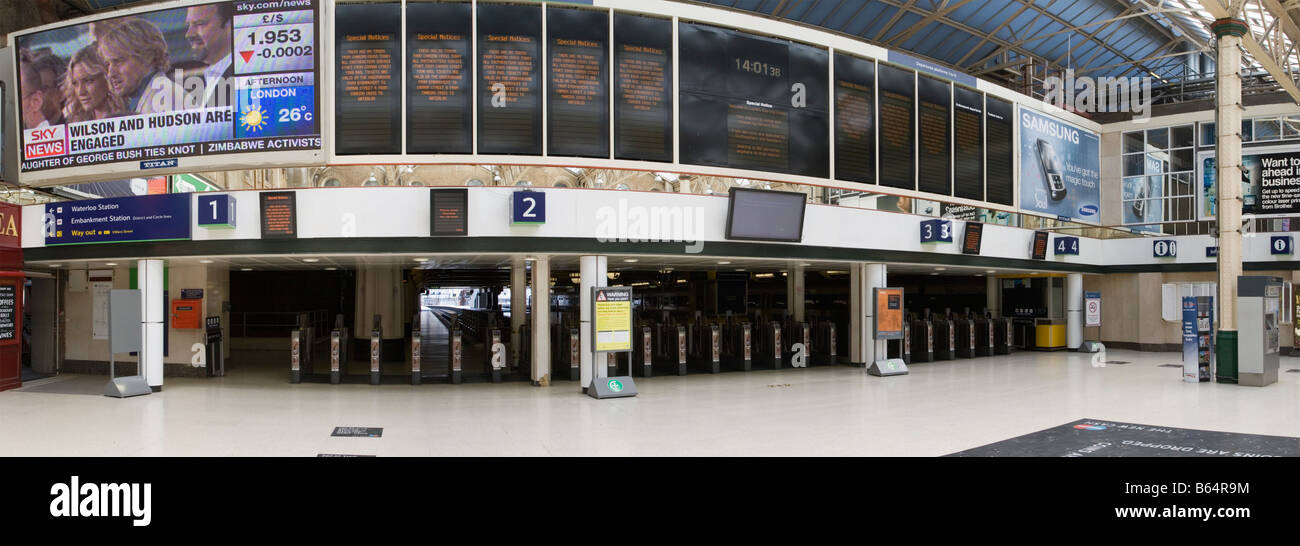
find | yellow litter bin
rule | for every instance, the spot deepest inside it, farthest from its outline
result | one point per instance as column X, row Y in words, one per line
column 1049, row 334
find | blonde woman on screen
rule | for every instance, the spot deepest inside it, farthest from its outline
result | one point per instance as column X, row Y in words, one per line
column 137, row 59
column 87, row 87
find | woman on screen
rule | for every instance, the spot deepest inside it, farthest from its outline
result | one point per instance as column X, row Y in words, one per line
column 137, row 59
column 87, row 84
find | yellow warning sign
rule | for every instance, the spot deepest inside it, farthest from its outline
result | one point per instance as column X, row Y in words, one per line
column 612, row 318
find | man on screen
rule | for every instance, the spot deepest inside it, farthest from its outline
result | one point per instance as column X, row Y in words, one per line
column 209, row 32
column 137, row 59
column 33, row 96
column 52, row 71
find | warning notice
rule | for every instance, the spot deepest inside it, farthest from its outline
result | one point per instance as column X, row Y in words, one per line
column 611, row 314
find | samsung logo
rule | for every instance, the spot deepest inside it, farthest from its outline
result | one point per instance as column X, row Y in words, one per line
column 94, row 500
column 1087, row 210
column 1049, row 127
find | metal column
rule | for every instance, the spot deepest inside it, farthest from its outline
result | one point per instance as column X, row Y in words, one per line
column 1227, row 161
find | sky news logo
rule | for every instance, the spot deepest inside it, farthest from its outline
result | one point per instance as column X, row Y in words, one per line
column 102, row 500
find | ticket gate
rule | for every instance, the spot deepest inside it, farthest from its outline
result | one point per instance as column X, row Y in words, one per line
column 825, row 346
column 415, row 354
column 454, row 356
column 770, row 350
column 738, row 346
column 984, row 342
column 496, row 363
column 573, row 355
column 672, row 348
column 1004, row 341
column 797, row 333
column 376, row 350
column 706, row 347
column 213, row 341
column 901, row 348
column 921, row 340
column 643, row 356
column 963, row 337
column 945, row 339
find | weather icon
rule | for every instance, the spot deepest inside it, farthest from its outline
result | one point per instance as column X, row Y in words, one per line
column 253, row 120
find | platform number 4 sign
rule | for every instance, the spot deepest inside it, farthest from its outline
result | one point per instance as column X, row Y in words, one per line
column 528, row 207
column 1066, row 245
column 1281, row 245
column 1164, row 248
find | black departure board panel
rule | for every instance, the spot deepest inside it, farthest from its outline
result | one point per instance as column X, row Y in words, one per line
column 448, row 212
column 968, row 143
column 438, row 90
column 577, row 87
column 972, row 238
column 753, row 103
column 897, row 130
column 855, row 119
column 998, row 119
column 367, row 109
column 643, row 83
column 1039, row 250
column 279, row 214
column 934, row 100
column 510, row 77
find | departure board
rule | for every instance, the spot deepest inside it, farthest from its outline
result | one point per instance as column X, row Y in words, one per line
column 438, row 101
column 968, row 143
column 448, row 212
column 998, row 119
column 643, row 82
column 279, row 214
column 934, row 145
column 510, row 75
column 753, row 103
column 1039, row 250
column 855, row 119
column 972, row 237
column 577, row 88
column 367, row 110
column 897, row 133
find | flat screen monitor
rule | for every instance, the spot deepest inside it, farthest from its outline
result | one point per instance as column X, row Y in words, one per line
column 1039, row 250
column 761, row 215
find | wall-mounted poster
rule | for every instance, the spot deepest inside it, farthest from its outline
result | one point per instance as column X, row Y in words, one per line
column 1270, row 182
column 1060, row 168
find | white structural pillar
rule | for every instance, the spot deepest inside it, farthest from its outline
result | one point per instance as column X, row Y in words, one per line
column 149, row 279
column 541, row 319
column 795, row 291
column 1073, row 310
column 863, row 347
column 593, row 271
column 518, row 307
column 1227, row 163
column 993, row 296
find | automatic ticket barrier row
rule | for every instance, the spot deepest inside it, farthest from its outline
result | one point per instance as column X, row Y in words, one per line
column 943, row 338
column 302, row 357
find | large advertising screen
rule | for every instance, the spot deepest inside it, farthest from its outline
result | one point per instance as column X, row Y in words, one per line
column 366, row 89
column 1270, row 183
column 749, row 102
column 154, row 89
column 643, row 82
column 1060, row 172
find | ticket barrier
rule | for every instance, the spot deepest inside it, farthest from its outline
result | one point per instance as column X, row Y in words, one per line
column 573, row 355
column 984, row 342
column 215, row 354
column 797, row 333
column 922, row 340
column 902, row 348
column 495, row 354
column 738, row 346
column 770, row 349
column 945, row 339
column 415, row 354
column 706, row 346
column 963, row 337
column 681, row 350
column 825, row 347
column 1024, row 333
column 454, row 355
column 643, row 356
column 1004, row 340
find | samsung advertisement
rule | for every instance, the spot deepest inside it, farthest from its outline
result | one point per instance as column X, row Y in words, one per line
column 1060, row 169
column 144, row 90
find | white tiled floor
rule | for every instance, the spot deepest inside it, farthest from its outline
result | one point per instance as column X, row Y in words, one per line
column 940, row 408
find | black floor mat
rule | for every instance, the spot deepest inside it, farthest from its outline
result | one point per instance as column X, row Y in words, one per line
column 1097, row 438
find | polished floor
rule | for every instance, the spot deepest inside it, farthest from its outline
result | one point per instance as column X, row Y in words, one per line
column 941, row 408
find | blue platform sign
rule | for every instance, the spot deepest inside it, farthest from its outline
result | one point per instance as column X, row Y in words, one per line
column 528, row 207
column 1164, row 248
column 164, row 217
column 217, row 211
column 1281, row 245
column 1066, row 246
column 936, row 231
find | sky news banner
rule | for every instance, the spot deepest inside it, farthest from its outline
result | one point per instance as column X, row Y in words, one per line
column 149, row 88
column 1060, row 168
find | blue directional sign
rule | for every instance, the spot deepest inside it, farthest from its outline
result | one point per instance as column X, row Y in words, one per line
column 1164, row 248
column 217, row 211
column 1211, row 252
column 1066, row 246
column 1281, row 245
column 936, row 231
column 162, row 217
column 528, row 207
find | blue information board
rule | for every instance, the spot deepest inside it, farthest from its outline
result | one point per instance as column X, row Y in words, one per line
column 1164, row 248
column 164, row 217
column 528, row 207
column 936, row 231
column 1066, row 246
column 217, row 211
column 1281, row 245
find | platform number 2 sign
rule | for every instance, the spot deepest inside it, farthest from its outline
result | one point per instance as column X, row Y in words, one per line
column 1164, row 248
column 528, row 207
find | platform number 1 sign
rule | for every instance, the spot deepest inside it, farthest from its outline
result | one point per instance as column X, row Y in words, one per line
column 528, row 207
column 1164, row 248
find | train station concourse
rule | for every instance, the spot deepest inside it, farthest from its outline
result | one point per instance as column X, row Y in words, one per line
column 421, row 228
